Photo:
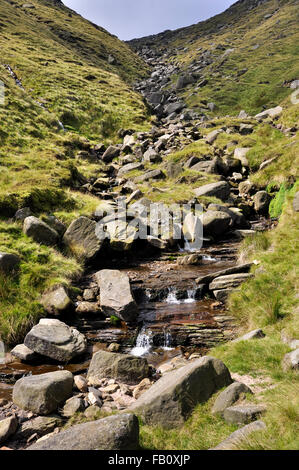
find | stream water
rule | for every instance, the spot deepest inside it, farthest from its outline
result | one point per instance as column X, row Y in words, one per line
column 173, row 314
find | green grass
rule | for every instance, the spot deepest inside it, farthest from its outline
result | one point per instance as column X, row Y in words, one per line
column 41, row 267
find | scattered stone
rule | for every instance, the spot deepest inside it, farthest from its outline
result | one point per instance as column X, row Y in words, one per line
column 39, row 231
column 72, row 406
column 291, row 361
column 212, row 136
column 271, row 113
column 243, row 414
column 237, row 437
column 122, row 367
column 255, row 334
column 115, row 294
column 38, row 427
column 118, row 432
column 229, row 281
column 142, row 387
column 80, row 383
column 190, row 260
column 43, row 394
column 111, row 153
column 220, row 190
column 152, row 156
column 56, row 301
column 229, row 396
column 129, row 167
column 22, row 214
column 55, row 339
column 240, row 154
column 8, row 427
column 215, row 223
column 24, row 354
column 171, row 400
column 235, row 270
column 92, row 412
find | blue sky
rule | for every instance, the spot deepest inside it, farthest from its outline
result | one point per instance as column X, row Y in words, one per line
column 129, row 19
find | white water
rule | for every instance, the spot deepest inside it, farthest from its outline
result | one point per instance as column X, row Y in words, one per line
column 172, row 297
column 144, row 343
column 167, row 341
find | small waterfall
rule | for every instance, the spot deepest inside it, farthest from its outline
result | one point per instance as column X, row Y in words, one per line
column 144, row 343
column 208, row 258
column 172, row 296
column 191, row 296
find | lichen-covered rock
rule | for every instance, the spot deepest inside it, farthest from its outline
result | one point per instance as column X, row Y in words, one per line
column 118, row 432
column 171, row 400
column 122, row 367
column 56, row 301
column 55, row 339
column 115, row 294
column 42, row 394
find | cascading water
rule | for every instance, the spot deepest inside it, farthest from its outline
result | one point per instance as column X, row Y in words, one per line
column 167, row 341
column 172, row 297
column 144, row 343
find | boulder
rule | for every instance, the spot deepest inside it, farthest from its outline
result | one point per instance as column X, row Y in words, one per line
column 212, row 136
column 261, row 202
column 190, row 260
column 72, row 406
column 296, row 202
column 22, row 213
column 243, row 414
column 43, row 394
column 271, row 113
column 174, row 108
column 215, row 223
column 9, row 263
column 237, row 437
column 291, row 361
column 229, row 281
column 81, row 239
column 229, row 396
column 123, row 367
column 129, row 167
column 111, row 153
column 242, row 268
column 121, row 235
column 24, row 354
column 56, row 301
column 152, row 156
column 255, row 334
column 240, row 154
column 144, row 385
column 115, row 294
column 152, row 174
column 80, row 383
column 8, row 427
column 55, row 339
column 118, row 432
column 220, row 190
column 171, row 400
column 39, row 231
column 40, row 426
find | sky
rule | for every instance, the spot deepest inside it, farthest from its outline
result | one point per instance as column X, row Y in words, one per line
column 129, row 19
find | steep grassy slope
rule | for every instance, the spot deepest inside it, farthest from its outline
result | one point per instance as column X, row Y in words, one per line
column 246, row 54
column 64, row 65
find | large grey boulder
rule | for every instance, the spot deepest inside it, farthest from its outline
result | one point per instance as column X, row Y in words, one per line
column 9, row 263
column 39, row 231
column 239, row 436
column 240, row 154
column 55, row 339
column 82, row 240
column 115, row 294
column 220, row 190
column 261, row 202
column 291, row 361
column 123, row 367
column 43, row 394
column 243, row 414
column 174, row 108
column 229, row 281
column 215, row 223
column 118, row 432
column 8, row 427
column 56, row 301
column 171, row 400
column 229, row 396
